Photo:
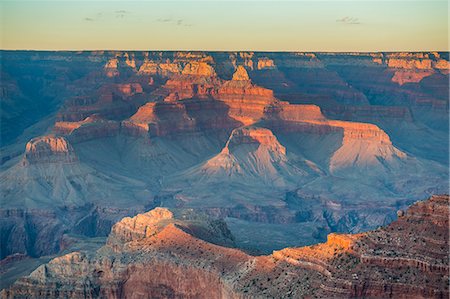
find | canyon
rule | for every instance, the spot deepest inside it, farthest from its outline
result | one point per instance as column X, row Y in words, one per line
column 186, row 261
column 251, row 156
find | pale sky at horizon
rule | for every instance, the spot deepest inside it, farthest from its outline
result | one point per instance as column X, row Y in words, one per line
column 337, row 25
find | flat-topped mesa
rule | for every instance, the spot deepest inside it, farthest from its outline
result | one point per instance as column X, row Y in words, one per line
column 197, row 80
column 92, row 127
column 283, row 111
column 401, row 63
column 363, row 145
column 49, row 149
column 199, row 68
column 140, row 226
column 410, row 76
column 165, row 68
column 254, row 135
column 159, row 119
column 355, row 130
column 265, row 63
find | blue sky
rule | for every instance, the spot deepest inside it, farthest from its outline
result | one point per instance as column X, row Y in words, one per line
column 226, row 25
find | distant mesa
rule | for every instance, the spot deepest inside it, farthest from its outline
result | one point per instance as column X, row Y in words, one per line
column 49, row 149
column 265, row 63
column 410, row 76
column 166, row 68
column 198, row 68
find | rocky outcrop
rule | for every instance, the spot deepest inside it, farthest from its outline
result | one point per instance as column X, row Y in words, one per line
column 49, row 149
column 402, row 63
column 93, row 127
column 397, row 255
column 199, row 68
column 442, row 65
column 405, row 76
column 251, row 154
column 139, row 227
column 392, row 262
column 197, row 80
column 363, row 145
column 110, row 68
column 254, row 135
column 149, row 67
column 160, row 119
column 414, row 67
column 265, row 63
column 240, row 74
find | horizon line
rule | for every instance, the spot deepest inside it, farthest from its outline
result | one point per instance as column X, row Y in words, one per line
column 233, row 50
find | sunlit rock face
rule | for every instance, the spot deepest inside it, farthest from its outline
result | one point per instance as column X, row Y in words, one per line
column 198, row 69
column 240, row 74
column 265, row 63
column 286, row 147
column 250, row 153
column 184, row 264
column 111, row 68
column 139, row 227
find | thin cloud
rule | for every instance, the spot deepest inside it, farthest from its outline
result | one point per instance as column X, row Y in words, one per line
column 164, row 20
column 121, row 13
column 118, row 14
column 349, row 20
column 176, row 22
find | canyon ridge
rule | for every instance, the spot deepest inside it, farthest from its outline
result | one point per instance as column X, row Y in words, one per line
column 242, row 174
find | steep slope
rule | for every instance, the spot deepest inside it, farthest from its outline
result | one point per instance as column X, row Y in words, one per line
column 50, row 192
column 50, row 175
column 250, row 155
column 333, row 146
column 391, row 262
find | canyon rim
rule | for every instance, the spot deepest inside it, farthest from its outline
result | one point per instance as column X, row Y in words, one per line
column 268, row 172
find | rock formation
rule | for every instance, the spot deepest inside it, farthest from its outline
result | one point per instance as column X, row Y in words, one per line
column 250, row 154
column 390, row 262
column 111, row 68
column 265, row 63
column 319, row 143
column 240, row 74
column 49, row 149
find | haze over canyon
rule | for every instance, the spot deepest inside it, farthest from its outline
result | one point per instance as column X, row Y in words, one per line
column 228, row 174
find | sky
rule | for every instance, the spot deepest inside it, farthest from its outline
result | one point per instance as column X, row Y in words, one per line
column 333, row 26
